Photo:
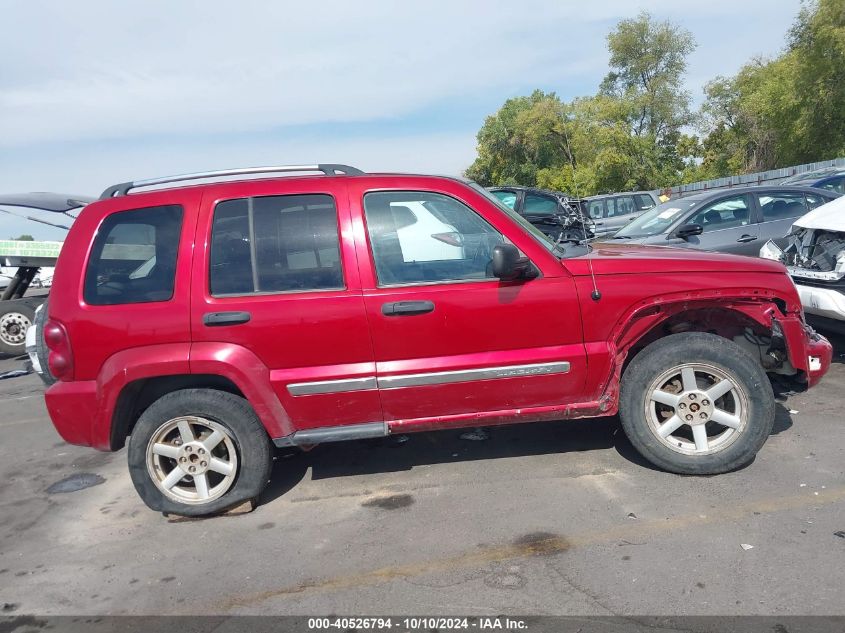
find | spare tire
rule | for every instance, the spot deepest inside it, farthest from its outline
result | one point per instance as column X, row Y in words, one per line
column 41, row 350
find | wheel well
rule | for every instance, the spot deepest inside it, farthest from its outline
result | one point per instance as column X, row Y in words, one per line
column 722, row 322
column 140, row 394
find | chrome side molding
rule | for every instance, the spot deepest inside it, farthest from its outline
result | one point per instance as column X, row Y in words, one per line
column 428, row 378
column 467, row 375
column 331, row 386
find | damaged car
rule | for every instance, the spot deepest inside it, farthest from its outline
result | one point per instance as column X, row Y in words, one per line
column 814, row 254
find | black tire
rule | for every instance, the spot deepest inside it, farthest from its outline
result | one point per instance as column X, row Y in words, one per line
column 235, row 415
column 753, row 388
column 15, row 316
column 41, row 350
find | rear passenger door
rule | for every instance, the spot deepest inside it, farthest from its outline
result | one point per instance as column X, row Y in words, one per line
column 273, row 277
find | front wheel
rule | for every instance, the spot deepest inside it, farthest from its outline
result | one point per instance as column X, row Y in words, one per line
column 197, row 452
column 696, row 403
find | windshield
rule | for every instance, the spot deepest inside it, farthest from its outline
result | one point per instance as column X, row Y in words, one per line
column 508, row 198
column 656, row 220
column 541, row 237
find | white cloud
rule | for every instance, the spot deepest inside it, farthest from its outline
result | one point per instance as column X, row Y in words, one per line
column 100, row 69
column 94, row 92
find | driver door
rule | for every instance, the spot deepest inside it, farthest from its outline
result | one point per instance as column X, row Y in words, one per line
column 450, row 339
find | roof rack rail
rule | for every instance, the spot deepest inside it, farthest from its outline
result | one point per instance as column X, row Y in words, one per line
column 329, row 169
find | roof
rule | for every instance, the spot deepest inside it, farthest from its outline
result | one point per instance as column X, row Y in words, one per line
column 714, row 193
column 618, row 193
column 524, row 188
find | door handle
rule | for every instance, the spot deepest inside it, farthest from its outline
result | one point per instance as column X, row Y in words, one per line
column 407, row 308
column 215, row 319
column 747, row 238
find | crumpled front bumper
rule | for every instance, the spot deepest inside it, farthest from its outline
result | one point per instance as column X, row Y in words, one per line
column 826, row 302
column 808, row 350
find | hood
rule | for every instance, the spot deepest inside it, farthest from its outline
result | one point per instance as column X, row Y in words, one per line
column 829, row 217
column 613, row 259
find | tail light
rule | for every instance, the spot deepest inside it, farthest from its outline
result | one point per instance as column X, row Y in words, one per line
column 60, row 359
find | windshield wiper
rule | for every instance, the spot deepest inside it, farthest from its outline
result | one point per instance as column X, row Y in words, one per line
column 620, row 237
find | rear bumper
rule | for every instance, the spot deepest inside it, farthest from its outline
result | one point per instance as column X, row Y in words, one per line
column 74, row 409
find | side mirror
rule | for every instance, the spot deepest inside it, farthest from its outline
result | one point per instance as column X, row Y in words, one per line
column 508, row 265
column 688, row 230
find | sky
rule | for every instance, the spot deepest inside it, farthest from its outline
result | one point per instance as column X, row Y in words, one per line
column 94, row 92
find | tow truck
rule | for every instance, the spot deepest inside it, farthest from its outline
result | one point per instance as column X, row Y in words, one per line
column 22, row 261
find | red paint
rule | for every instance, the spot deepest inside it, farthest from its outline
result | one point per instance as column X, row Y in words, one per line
column 341, row 334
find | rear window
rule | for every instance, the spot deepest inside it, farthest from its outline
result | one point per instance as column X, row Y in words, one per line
column 134, row 257
column 275, row 244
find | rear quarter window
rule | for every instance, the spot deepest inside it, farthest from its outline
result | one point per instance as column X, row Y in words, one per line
column 134, row 257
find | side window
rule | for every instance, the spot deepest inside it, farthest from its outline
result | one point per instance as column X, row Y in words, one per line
column 539, row 205
column 623, row 205
column 275, row 244
column 424, row 237
column 508, row 198
column 724, row 214
column 814, row 201
column 776, row 206
column 134, row 257
column 596, row 209
column 644, row 202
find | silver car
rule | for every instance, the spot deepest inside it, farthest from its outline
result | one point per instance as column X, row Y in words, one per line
column 736, row 221
column 610, row 212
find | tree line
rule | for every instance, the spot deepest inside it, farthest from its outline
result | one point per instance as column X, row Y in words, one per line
column 640, row 132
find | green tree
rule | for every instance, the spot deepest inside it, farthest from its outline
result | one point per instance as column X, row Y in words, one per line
column 628, row 136
column 784, row 111
column 24, row 238
column 648, row 60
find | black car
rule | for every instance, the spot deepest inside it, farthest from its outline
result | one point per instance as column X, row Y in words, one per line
column 555, row 213
column 727, row 220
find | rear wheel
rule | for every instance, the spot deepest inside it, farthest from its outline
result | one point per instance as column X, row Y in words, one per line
column 198, row 452
column 15, row 318
column 696, row 403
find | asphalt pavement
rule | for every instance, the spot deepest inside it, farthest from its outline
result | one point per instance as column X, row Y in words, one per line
column 552, row 518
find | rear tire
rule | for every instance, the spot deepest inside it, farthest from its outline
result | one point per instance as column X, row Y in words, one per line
column 696, row 404
column 199, row 452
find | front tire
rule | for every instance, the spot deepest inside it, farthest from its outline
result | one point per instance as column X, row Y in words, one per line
column 696, row 404
column 199, row 452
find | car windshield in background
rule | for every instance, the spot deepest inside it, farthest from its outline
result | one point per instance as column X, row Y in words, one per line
column 656, row 220
column 541, row 237
column 508, row 198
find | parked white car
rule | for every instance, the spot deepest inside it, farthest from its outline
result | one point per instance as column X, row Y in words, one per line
column 815, row 257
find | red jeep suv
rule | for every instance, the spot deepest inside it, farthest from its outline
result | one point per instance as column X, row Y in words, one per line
column 209, row 322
